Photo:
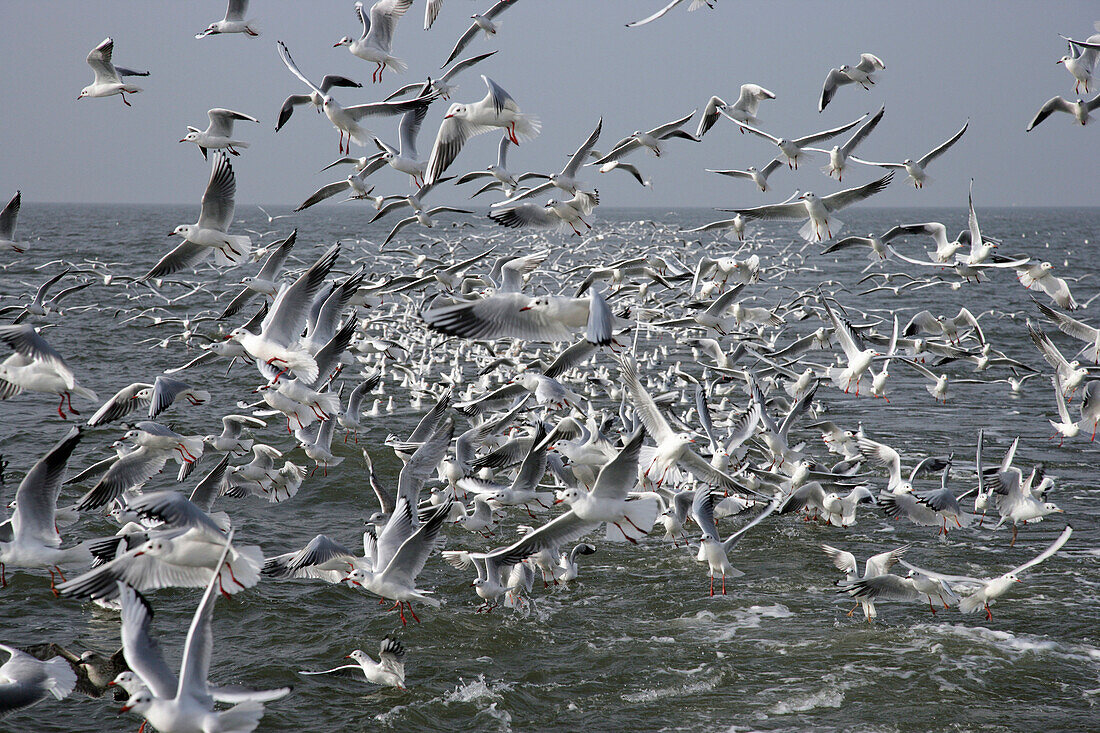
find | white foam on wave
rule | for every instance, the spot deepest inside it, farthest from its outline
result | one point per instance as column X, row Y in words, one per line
column 1014, row 643
column 476, row 690
column 684, row 690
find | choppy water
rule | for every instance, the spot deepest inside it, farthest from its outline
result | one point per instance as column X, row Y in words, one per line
column 635, row 643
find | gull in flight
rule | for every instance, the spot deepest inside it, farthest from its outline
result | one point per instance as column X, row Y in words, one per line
column 316, row 98
column 567, row 179
column 650, row 139
column 916, row 169
column 464, row 121
column 793, row 148
column 442, row 84
column 346, row 119
column 38, row 367
column 26, row 680
column 183, row 702
column 712, row 549
column 376, row 43
column 840, row 154
column 8, row 218
column 34, row 541
column 388, row 671
column 695, row 5
column 752, row 173
column 482, row 22
column 1080, row 110
column 233, row 22
column 876, row 566
column 986, row 590
column 218, row 135
column 858, row 74
column 743, row 110
column 821, row 224
column 210, row 231
column 1081, row 59
column 108, row 77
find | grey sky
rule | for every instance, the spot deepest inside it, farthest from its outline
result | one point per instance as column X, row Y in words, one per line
column 569, row 61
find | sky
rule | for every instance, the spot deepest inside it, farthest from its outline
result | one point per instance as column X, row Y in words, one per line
column 570, row 62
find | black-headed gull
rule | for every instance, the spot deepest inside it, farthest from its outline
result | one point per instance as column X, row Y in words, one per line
column 218, row 135
column 1079, row 108
column 464, row 121
column 26, row 680
column 793, row 148
column 388, row 671
column 917, row 168
column 108, row 77
column 743, row 110
column 1081, row 59
column 376, row 42
column 858, row 74
column 8, row 219
column 233, row 22
column 210, row 232
column 817, row 210
column 482, row 22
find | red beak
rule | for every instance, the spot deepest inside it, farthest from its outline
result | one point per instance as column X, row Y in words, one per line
column 136, row 554
column 125, row 708
column 525, row 308
column 557, row 501
column 447, row 117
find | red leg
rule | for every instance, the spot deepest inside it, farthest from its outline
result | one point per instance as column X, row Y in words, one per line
column 59, row 405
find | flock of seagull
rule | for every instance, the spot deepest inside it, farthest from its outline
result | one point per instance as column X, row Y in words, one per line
column 540, row 384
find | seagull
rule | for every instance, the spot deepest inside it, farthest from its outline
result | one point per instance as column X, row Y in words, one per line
column 442, row 85
column 818, row 210
column 482, row 22
column 1079, row 108
column 404, row 158
column 568, row 568
column 515, row 315
column 554, row 214
column 354, row 185
column 712, row 549
column 1066, row 427
column 8, row 218
column 840, row 154
column 403, row 548
column 1081, row 59
column 376, row 43
column 38, row 367
column 108, row 77
column 388, row 671
column 277, row 344
column 989, row 589
column 183, row 702
column 792, row 148
column 34, row 541
column 26, row 680
column 876, row 565
column 743, row 110
column 218, row 135
column 210, row 232
column 315, row 97
column 566, row 180
column 346, row 119
column 464, row 121
column 263, row 282
column 695, row 5
column 757, row 176
column 916, row 169
column 1076, row 329
column 673, row 449
column 233, row 22
column 1056, row 287
column 498, row 171
column 650, row 139
column 858, row 74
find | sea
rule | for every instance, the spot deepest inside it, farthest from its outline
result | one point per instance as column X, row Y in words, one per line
column 636, row 643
